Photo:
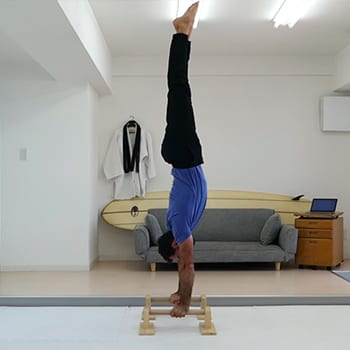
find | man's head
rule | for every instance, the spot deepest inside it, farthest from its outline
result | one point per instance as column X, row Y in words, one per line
column 167, row 247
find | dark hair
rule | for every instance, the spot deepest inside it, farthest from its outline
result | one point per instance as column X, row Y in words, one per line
column 165, row 247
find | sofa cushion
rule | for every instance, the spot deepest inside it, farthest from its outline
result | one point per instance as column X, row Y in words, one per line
column 269, row 232
column 234, row 224
column 160, row 214
column 229, row 224
column 237, row 252
column 153, row 228
column 226, row 252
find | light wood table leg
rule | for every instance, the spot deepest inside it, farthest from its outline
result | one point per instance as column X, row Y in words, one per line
column 153, row 267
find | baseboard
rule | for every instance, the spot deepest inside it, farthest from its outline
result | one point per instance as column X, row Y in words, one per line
column 272, row 300
column 37, row 268
column 93, row 263
column 117, row 258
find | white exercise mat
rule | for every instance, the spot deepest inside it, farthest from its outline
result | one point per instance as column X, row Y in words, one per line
column 107, row 328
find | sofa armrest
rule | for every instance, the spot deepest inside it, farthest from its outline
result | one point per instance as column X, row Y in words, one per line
column 288, row 239
column 141, row 240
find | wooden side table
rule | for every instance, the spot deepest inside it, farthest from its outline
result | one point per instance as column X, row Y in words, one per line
column 320, row 242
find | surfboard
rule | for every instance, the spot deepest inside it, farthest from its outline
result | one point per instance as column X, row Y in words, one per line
column 125, row 214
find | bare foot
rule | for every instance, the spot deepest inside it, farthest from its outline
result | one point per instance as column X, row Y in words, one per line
column 184, row 24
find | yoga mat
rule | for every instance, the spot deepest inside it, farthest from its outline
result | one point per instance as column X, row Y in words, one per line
column 343, row 274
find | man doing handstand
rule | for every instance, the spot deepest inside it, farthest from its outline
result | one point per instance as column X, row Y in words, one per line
column 182, row 149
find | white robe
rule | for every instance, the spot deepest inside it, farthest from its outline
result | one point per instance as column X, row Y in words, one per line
column 132, row 184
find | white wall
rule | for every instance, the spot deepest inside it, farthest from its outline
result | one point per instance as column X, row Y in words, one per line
column 93, row 215
column 257, row 118
column 48, row 199
column 259, row 129
column 1, row 111
column 83, row 20
column 342, row 76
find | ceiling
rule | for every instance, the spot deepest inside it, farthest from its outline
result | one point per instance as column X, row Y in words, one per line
column 15, row 62
column 229, row 27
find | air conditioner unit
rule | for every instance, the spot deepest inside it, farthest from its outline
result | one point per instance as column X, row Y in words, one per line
column 335, row 113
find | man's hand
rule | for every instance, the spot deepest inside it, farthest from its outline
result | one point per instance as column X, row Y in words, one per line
column 179, row 310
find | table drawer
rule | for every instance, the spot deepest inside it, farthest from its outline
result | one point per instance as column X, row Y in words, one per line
column 323, row 224
column 314, row 233
column 314, row 252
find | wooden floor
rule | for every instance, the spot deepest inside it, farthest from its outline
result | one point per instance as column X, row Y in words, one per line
column 119, row 278
column 117, row 327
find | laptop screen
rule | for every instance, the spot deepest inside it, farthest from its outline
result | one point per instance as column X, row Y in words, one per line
column 324, row 205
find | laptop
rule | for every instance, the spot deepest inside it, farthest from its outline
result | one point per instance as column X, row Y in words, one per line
column 321, row 206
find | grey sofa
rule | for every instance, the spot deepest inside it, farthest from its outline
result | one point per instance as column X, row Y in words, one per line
column 223, row 236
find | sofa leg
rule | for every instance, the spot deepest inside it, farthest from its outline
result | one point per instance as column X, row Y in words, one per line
column 277, row 266
column 153, row 267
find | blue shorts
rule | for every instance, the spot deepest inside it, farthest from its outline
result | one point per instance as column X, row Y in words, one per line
column 187, row 201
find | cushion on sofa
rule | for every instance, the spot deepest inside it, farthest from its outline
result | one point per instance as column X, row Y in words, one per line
column 238, row 224
column 153, row 227
column 211, row 251
column 234, row 224
column 270, row 229
column 160, row 214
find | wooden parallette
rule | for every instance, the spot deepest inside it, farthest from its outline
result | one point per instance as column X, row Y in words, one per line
column 202, row 312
